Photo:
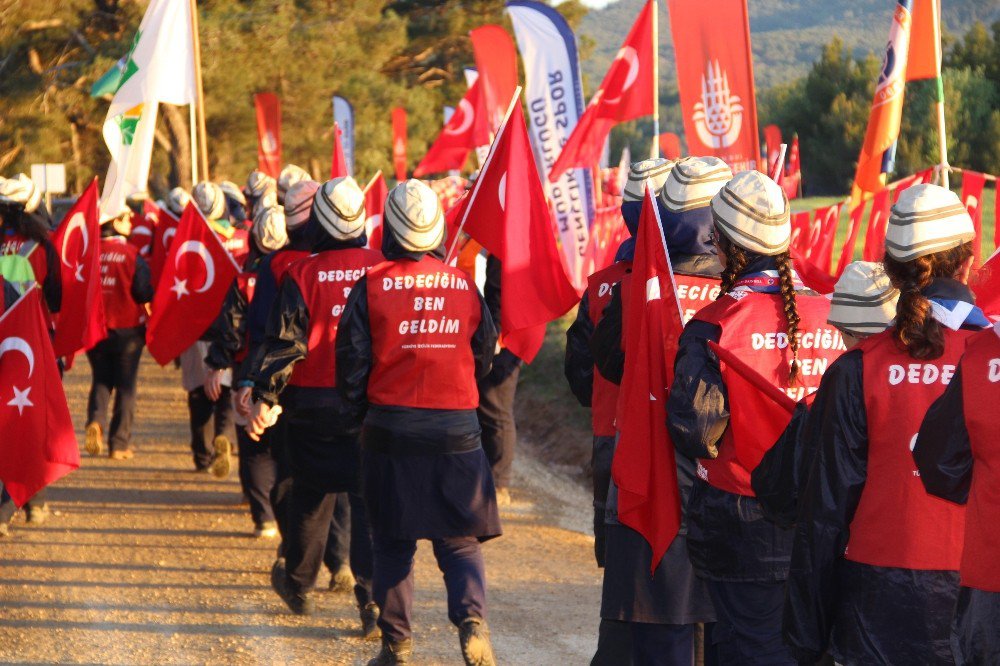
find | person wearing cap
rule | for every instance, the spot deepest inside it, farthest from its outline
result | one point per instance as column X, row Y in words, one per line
column 414, row 339
column 177, row 201
column 214, row 204
column 289, row 176
column 875, row 564
column 261, row 191
column 297, row 361
column 236, row 205
column 957, row 455
column 764, row 316
column 228, row 350
column 126, row 287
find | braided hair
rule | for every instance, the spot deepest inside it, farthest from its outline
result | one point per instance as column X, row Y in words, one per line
column 916, row 332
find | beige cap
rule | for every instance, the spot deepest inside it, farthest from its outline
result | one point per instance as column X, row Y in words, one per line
column 269, row 230
column 864, row 300
column 210, row 200
column 693, row 182
column 290, row 175
column 233, row 191
column 339, row 206
column 177, row 201
column 20, row 190
column 654, row 172
column 414, row 216
column 751, row 210
column 298, row 203
column 926, row 219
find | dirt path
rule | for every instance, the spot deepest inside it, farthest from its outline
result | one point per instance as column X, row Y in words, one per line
column 146, row 562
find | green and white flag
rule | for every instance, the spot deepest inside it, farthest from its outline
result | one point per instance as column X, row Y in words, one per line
column 158, row 68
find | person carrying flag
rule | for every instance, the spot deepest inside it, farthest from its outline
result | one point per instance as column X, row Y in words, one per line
column 764, row 317
column 297, row 361
column 875, row 566
column 114, row 362
column 414, row 339
column 957, row 455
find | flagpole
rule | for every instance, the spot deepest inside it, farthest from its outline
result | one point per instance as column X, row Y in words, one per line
column 656, row 81
column 371, row 182
column 203, row 146
column 192, row 124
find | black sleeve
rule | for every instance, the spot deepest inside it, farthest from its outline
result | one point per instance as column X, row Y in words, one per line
column 286, row 340
column 579, row 363
column 828, row 502
column 142, row 282
column 354, row 351
column 943, row 452
column 698, row 403
column 606, row 342
column 484, row 341
column 10, row 295
column 228, row 331
column 52, row 286
column 491, row 289
column 774, row 480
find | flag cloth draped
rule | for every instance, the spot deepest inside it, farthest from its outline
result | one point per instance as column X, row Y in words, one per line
column 456, row 139
column 985, row 283
column 625, row 93
column 772, row 141
column 80, row 323
column 715, row 80
column 878, row 223
column 507, row 214
column 38, row 446
column 375, row 195
column 268, row 109
column 643, row 467
column 972, row 198
column 163, row 237
column 792, row 177
column 496, row 62
column 143, row 228
column 338, row 163
column 196, row 276
column 878, row 150
column 343, row 115
column 399, row 142
column 924, row 59
column 159, row 67
column 670, row 145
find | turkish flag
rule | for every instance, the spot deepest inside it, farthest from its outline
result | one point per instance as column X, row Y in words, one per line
column 496, row 63
column 985, row 284
column 812, row 276
column 772, row 140
column 190, row 292
column 878, row 223
column 80, row 323
column 851, row 242
column 163, row 237
column 800, row 232
column 268, row 108
column 670, row 145
column 338, row 167
column 143, row 227
column 792, row 177
column 626, row 93
column 399, row 142
column 451, row 148
column 825, row 222
column 38, row 446
column 508, row 215
column 758, row 411
column 972, row 197
column 643, row 467
column 376, row 192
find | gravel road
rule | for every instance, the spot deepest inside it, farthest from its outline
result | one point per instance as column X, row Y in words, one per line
column 146, row 562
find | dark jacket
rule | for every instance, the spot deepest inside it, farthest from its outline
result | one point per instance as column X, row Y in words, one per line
column 578, row 365
column 943, row 452
column 228, row 332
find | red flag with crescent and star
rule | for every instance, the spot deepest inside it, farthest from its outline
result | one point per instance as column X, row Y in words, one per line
column 80, row 323
column 626, row 93
column 196, row 275
column 163, row 236
column 451, row 148
column 143, row 227
column 38, row 446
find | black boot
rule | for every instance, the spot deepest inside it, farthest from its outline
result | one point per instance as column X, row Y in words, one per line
column 369, row 622
column 474, row 636
column 393, row 652
column 297, row 602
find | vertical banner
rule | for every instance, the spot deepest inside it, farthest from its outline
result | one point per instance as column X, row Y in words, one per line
column 670, row 145
column 399, row 142
column 554, row 97
column 791, row 181
column 343, row 115
column 496, row 62
column 772, row 143
column 268, row 108
column 972, row 198
column 715, row 81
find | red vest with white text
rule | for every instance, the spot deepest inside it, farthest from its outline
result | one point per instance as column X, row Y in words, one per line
column 117, row 272
column 897, row 523
column 325, row 280
column 753, row 328
column 604, row 398
column 282, row 260
column 423, row 315
column 980, row 396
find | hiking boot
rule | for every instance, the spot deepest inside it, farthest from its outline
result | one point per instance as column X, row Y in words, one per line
column 342, row 581
column 266, row 530
column 297, row 602
column 221, row 463
column 123, row 454
column 393, row 652
column 474, row 637
column 93, row 439
column 36, row 515
column 369, row 622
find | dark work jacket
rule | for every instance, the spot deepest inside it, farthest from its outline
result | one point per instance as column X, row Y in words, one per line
column 825, row 599
column 579, row 362
column 782, row 472
column 228, row 332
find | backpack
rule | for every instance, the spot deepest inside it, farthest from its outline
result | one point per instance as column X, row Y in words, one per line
column 17, row 269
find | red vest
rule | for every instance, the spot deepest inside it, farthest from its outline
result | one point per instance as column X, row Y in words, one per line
column 897, row 523
column 753, row 327
column 325, row 280
column 980, row 395
column 423, row 315
column 282, row 260
column 604, row 399
column 117, row 272
column 238, row 245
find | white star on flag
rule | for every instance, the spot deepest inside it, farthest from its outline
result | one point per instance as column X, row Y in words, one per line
column 180, row 288
column 79, row 272
column 21, row 400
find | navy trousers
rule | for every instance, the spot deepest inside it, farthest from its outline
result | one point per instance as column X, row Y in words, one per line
column 460, row 559
column 662, row 644
column 748, row 626
column 114, row 364
column 258, row 472
column 208, row 420
column 338, row 540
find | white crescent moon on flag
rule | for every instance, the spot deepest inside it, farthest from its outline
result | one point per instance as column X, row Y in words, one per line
column 20, row 345
column 142, row 231
column 198, row 248
column 168, row 236
column 502, row 192
column 628, row 54
column 78, row 221
column 467, row 114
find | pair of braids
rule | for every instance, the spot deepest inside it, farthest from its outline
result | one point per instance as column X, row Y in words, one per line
column 792, row 319
column 916, row 331
column 736, row 261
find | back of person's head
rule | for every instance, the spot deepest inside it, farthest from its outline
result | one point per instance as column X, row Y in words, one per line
column 210, row 200
column 269, row 231
column 929, row 236
column 288, row 177
column 177, row 201
column 685, row 203
column 298, row 204
column 864, row 300
column 339, row 207
column 652, row 173
column 414, row 217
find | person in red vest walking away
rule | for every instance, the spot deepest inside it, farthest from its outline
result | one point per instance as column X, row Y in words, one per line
column 414, row 339
column 958, row 455
column 114, row 361
column 874, row 573
column 766, row 318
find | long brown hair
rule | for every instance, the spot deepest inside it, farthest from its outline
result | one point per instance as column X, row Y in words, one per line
column 737, row 259
column 916, row 331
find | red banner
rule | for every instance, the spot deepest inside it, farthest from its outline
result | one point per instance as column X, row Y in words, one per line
column 878, row 222
column 825, row 224
column 399, row 142
column 772, row 141
column 268, row 108
column 791, row 180
column 972, row 197
column 715, row 80
column 670, row 145
column 851, row 242
column 496, row 62
column 451, row 148
column 338, row 163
